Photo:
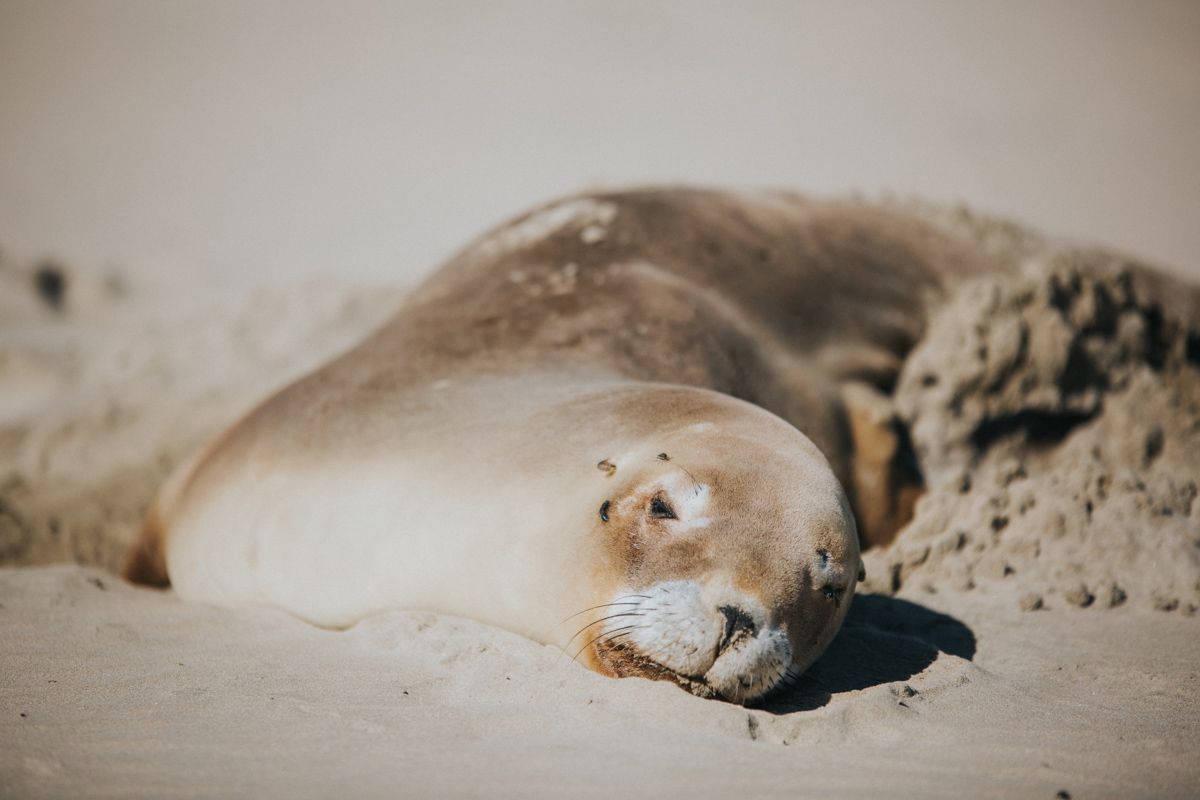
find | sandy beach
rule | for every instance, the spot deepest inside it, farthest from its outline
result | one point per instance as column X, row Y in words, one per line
column 141, row 696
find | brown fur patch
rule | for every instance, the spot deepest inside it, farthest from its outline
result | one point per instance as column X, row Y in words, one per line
column 619, row 661
column 883, row 490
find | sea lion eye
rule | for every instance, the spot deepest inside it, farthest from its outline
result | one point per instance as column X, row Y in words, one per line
column 835, row 593
column 604, row 510
column 659, row 509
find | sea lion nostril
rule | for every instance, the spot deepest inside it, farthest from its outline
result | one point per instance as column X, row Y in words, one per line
column 738, row 625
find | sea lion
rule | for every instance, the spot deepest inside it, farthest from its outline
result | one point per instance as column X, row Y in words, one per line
column 630, row 424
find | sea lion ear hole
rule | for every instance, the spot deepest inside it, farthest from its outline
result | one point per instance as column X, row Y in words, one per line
column 661, row 509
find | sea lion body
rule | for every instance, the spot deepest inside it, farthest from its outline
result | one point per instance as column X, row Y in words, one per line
column 617, row 425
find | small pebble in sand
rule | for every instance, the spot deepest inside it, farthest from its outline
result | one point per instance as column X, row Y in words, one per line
column 1112, row 595
column 1078, row 595
column 1032, row 602
column 1163, row 603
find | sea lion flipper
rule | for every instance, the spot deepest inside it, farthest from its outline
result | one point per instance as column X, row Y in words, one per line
column 146, row 561
column 885, row 489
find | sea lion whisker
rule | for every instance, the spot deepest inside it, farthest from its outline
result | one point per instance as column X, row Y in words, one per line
column 790, row 676
column 624, row 630
column 612, row 636
column 601, row 636
column 696, row 483
column 603, row 605
column 639, row 612
column 617, row 634
column 606, row 619
column 567, row 646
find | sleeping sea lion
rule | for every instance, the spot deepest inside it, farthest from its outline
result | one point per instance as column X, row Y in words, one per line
column 637, row 425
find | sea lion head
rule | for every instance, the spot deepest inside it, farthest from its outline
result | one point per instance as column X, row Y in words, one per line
column 733, row 556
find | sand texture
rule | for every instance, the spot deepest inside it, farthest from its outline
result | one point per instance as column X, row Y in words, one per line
column 1056, row 418
column 1032, row 633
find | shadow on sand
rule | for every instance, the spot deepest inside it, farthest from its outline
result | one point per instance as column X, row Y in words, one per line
column 882, row 641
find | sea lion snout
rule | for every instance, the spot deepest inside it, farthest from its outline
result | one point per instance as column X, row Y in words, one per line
column 714, row 640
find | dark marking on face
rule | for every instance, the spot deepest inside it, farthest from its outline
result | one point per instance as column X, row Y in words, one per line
column 824, row 555
column 607, row 467
column 663, row 457
column 661, row 509
column 604, row 510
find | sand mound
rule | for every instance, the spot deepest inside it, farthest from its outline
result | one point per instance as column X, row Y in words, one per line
column 1056, row 416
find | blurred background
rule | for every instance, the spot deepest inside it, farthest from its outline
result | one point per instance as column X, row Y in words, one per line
column 237, row 143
